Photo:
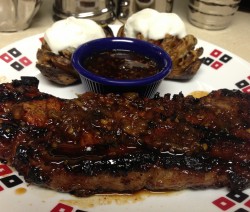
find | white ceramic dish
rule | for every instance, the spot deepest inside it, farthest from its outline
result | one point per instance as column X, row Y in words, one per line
column 221, row 69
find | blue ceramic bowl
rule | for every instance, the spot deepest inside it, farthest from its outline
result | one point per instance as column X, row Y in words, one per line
column 145, row 87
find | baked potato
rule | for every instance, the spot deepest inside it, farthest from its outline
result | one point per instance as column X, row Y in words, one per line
column 185, row 58
column 57, row 67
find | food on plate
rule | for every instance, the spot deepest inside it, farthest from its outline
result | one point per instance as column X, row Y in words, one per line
column 168, row 31
column 121, row 65
column 60, row 40
column 123, row 143
column 199, row 94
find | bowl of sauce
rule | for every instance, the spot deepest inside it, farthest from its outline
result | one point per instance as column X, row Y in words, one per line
column 120, row 65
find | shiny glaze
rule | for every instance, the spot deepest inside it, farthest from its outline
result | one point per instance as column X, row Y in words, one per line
column 121, row 65
column 114, row 136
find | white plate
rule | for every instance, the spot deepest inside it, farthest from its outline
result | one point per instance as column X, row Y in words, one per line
column 221, row 69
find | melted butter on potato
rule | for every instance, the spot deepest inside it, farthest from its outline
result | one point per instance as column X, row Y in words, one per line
column 199, row 94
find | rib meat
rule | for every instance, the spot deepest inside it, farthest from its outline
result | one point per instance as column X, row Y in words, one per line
column 123, row 143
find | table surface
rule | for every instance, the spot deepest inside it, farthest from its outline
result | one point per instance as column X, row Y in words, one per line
column 235, row 38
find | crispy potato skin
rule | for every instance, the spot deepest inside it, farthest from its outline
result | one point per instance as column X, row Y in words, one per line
column 57, row 67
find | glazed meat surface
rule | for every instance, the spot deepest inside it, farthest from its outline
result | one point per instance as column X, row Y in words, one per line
column 123, row 143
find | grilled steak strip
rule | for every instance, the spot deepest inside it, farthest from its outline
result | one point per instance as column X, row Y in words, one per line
column 123, row 143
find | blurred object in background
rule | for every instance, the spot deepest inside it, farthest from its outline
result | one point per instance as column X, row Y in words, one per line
column 212, row 14
column 128, row 7
column 16, row 15
column 245, row 5
column 101, row 11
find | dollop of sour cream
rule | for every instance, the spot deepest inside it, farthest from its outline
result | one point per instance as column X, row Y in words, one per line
column 72, row 32
column 154, row 25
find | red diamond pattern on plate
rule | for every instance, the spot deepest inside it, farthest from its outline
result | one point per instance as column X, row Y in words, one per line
column 62, row 208
column 215, row 53
column 4, row 170
column 223, row 203
column 216, row 65
column 246, row 89
column 247, row 203
column 6, row 57
column 25, row 61
column 41, row 39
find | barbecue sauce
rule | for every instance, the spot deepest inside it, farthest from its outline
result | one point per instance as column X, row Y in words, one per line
column 20, row 191
column 121, row 65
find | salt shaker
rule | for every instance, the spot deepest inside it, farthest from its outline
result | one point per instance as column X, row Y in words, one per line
column 16, row 15
column 212, row 14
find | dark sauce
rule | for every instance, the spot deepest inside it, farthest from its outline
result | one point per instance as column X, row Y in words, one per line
column 121, row 65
